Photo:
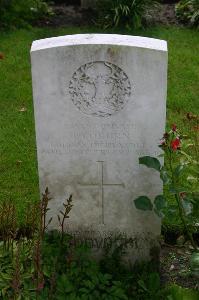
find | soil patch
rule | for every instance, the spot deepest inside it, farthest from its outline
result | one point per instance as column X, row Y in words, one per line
column 166, row 15
column 68, row 16
column 175, row 266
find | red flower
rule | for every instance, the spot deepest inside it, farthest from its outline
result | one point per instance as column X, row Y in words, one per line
column 1, row 56
column 174, row 127
column 175, row 144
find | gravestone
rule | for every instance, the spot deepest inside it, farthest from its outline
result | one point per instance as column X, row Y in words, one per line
column 100, row 104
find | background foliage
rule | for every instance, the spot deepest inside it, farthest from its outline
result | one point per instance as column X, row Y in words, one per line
column 187, row 11
column 19, row 13
column 128, row 13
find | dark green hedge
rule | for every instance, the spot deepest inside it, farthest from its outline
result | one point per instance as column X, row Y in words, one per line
column 20, row 13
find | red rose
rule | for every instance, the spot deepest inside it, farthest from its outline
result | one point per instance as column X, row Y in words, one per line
column 175, row 144
column 174, row 127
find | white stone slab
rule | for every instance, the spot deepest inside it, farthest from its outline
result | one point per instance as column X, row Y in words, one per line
column 100, row 103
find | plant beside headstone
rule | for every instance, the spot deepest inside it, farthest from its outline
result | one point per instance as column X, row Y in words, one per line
column 180, row 176
column 27, row 268
column 187, row 12
column 124, row 13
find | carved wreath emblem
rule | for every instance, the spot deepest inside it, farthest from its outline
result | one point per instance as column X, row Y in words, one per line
column 100, row 89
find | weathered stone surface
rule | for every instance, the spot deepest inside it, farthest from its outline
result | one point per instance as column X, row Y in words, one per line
column 100, row 103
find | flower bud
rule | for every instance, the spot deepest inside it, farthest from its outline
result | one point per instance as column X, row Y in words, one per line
column 174, row 127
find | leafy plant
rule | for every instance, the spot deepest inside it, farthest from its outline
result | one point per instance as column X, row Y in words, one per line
column 64, row 215
column 187, row 11
column 176, row 292
column 128, row 13
column 8, row 223
column 143, row 283
column 180, row 176
column 151, row 287
column 25, row 271
column 84, row 280
column 113, row 253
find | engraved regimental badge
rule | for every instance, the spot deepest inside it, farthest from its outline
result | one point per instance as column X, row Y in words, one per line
column 100, row 89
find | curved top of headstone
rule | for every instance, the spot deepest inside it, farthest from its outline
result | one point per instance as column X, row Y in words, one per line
column 100, row 39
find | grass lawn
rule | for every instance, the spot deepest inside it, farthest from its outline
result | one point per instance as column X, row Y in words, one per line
column 18, row 166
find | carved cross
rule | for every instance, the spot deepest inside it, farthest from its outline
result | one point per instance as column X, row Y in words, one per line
column 101, row 184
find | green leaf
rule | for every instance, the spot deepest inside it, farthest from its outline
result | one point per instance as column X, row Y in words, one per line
column 179, row 293
column 172, row 210
column 89, row 284
column 192, row 178
column 159, row 213
column 165, row 177
column 179, row 169
column 143, row 203
column 160, row 202
column 154, row 282
column 188, row 207
column 177, row 190
column 150, row 162
column 142, row 285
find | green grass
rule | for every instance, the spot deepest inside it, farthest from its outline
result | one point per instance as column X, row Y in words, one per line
column 18, row 166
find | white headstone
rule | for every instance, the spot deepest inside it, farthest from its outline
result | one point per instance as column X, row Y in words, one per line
column 100, row 104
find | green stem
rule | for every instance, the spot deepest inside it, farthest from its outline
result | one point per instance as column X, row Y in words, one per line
column 179, row 203
column 183, row 219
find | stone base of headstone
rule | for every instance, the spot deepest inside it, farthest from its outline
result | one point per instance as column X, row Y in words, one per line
column 130, row 249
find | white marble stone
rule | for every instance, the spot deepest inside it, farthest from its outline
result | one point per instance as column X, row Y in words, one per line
column 100, row 103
